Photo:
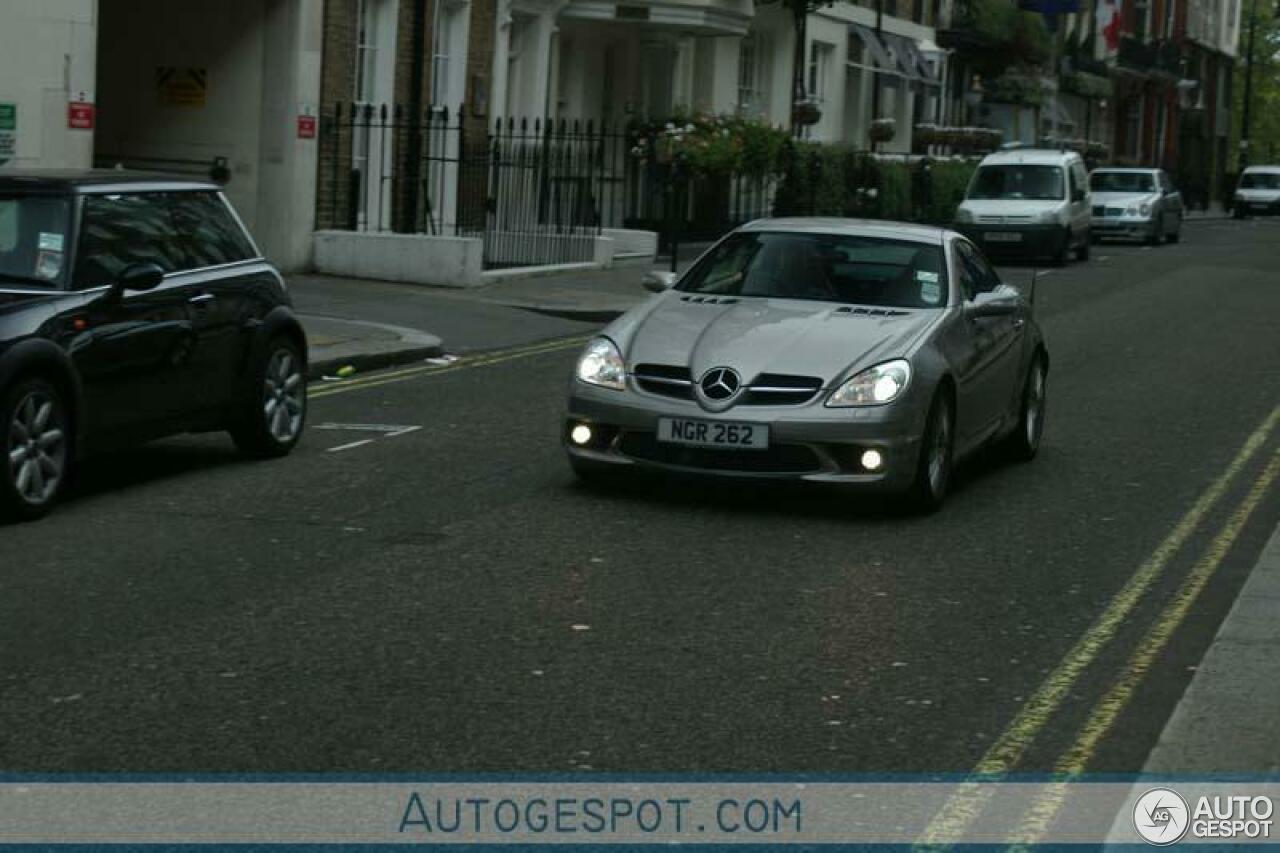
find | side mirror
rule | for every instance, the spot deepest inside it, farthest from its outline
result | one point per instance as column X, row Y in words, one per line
column 1001, row 302
column 658, row 282
column 139, row 277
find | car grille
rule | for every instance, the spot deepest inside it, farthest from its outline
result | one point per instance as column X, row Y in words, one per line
column 1099, row 210
column 1004, row 220
column 1115, row 212
column 666, row 380
column 777, row 389
column 768, row 389
column 778, row 459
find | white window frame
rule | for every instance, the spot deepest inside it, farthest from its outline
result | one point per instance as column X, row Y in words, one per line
column 751, row 90
column 821, row 55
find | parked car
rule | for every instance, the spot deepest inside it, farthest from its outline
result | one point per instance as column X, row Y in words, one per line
column 132, row 307
column 1136, row 204
column 1029, row 202
column 1258, row 191
column 869, row 355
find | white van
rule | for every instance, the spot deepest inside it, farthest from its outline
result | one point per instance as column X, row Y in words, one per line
column 1258, row 191
column 1031, row 202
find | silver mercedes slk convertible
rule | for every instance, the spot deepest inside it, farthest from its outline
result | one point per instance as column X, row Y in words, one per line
column 844, row 352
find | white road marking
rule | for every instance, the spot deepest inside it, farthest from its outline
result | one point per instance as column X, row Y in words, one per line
column 388, row 429
column 403, row 431
column 351, row 446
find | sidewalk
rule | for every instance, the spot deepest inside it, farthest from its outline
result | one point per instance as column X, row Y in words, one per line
column 1215, row 211
column 368, row 324
column 1228, row 721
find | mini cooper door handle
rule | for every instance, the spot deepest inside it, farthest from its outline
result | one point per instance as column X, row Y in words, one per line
column 202, row 299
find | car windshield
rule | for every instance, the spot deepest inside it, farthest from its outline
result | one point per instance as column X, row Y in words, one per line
column 33, row 240
column 1121, row 182
column 1018, row 182
column 856, row 270
column 1260, row 181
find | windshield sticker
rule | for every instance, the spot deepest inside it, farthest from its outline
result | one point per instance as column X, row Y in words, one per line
column 50, row 241
column 923, row 276
column 48, row 265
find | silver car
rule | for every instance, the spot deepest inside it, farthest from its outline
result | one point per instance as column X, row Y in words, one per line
column 1135, row 204
column 863, row 354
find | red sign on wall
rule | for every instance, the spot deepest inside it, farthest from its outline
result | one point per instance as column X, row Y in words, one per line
column 306, row 127
column 80, row 115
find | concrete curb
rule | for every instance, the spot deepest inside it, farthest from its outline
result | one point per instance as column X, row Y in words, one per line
column 410, row 345
column 1227, row 721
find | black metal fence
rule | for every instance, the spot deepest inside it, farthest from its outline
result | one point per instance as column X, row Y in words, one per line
column 537, row 192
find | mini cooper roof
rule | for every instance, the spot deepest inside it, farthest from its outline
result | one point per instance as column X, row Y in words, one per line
column 852, row 227
column 1261, row 170
column 81, row 181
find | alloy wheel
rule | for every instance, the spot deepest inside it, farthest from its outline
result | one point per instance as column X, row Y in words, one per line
column 1033, row 417
column 284, row 396
column 37, row 448
column 940, row 450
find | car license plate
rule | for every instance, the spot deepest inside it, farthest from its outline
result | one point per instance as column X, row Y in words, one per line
column 1004, row 237
column 713, row 434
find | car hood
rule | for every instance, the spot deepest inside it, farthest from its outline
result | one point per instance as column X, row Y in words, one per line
column 755, row 335
column 1121, row 199
column 1258, row 194
column 1010, row 207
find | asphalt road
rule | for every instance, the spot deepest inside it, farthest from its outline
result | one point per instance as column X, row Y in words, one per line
column 448, row 599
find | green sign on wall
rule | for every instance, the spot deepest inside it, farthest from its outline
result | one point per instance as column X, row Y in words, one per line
column 8, row 132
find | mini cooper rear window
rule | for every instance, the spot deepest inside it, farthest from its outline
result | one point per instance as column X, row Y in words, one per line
column 856, row 270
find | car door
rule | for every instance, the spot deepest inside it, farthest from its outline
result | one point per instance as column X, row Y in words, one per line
column 221, row 277
column 136, row 349
column 993, row 350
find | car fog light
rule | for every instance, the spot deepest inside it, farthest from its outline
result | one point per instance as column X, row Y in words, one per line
column 580, row 435
column 872, row 460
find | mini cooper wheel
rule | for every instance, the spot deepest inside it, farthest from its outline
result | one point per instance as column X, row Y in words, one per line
column 275, row 407
column 37, row 433
column 1024, row 441
column 933, row 471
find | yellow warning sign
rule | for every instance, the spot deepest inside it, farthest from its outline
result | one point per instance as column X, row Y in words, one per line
column 181, row 87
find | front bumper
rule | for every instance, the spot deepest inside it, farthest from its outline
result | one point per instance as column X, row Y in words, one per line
column 808, row 443
column 1122, row 229
column 1025, row 240
column 1257, row 206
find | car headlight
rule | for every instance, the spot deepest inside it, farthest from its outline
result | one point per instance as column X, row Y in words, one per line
column 601, row 364
column 1047, row 217
column 1145, row 208
column 874, row 386
column 963, row 217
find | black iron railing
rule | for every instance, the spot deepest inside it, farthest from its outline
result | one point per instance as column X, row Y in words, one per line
column 536, row 191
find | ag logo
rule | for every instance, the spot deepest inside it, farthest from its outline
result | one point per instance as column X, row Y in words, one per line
column 1161, row 816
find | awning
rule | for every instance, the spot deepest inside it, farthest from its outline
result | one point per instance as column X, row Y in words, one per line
column 895, row 54
column 879, row 55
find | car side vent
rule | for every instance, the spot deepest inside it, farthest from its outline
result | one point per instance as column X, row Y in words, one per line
column 873, row 312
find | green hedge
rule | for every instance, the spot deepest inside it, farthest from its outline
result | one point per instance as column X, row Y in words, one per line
column 832, row 180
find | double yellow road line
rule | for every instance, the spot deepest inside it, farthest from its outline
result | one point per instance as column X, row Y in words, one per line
column 966, row 805
column 466, row 363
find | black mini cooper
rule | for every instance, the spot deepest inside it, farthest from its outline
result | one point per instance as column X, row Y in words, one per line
column 134, row 306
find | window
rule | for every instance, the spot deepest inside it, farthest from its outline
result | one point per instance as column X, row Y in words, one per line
column 823, row 267
column 33, row 233
column 976, row 275
column 440, row 55
column 1018, row 182
column 117, row 231
column 750, row 83
column 208, row 233
column 1120, row 182
column 820, row 54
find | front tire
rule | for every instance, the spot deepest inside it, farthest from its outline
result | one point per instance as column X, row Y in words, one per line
column 1063, row 256
column 1024, row 442
column 274, row 406
column 1082, row 251
column 37, row 432
column 933, row 470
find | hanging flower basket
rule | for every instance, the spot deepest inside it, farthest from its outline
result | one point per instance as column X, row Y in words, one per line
column 882, row 130
column 806, row 113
